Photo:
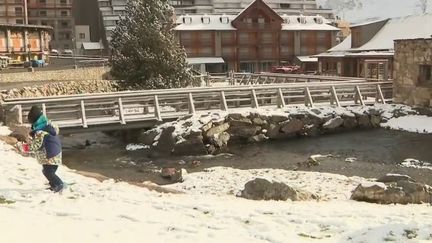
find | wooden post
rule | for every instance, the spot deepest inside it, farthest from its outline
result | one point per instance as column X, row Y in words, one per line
column 254, row 99
column 308, row 98
column 357, row 96
column 334, row 98
column 249, row 78
column 224, row 105
column 191, row 104
column 280, row 99
column 266, row 79
column 121, row 112
column 208, row 80
column 379, row 95
column 83, row 115
column 157, row 108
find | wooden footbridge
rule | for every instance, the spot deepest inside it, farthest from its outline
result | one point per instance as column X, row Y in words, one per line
column 145, row 108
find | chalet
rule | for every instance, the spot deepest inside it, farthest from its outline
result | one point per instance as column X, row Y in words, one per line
column 24, row 42
column 369, row 50
column 253, row 40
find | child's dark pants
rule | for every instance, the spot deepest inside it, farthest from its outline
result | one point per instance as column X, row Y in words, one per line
column 49, row 172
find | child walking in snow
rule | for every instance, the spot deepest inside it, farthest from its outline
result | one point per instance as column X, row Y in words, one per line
column 46, row 146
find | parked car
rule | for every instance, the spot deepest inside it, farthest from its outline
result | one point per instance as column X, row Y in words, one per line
column 286, row 69
column 67, row 52
column 54, row 52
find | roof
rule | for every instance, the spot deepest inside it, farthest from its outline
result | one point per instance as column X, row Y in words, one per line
column 92, row 46
column 343, row 46
column 223, row 22
column 370, row 21
column 301, row 22
column 205, row 22
column 409, row 27
column 204, row 60
column 307, row 59
column 26, row 26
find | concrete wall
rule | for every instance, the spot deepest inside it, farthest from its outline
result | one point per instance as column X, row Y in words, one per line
column 409, row 55
column 96, row 73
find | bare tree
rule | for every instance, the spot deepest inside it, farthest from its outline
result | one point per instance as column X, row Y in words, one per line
column 423, row 5
column 341, row 6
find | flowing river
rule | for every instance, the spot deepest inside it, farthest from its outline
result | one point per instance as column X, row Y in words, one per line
column 366, row 153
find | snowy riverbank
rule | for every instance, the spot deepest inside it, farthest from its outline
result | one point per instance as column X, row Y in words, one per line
column 92, row 211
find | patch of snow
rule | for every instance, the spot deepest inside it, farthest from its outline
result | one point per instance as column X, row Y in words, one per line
column 133, row 147
column 110, row 211
column 4, row 131
column 410, row 123
column 373, row 183
column 350, row 159
column 415, row 163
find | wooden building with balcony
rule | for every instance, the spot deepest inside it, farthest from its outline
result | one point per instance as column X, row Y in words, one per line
column 13, row 11
column 253, row 40
column 24, row 42
column 369, row 51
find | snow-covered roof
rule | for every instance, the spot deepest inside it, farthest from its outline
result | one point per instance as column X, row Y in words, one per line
column 205, row 22
column 410, row 27
column 307, row 59
column 92, row 46
column 367, row 22
column 370, row 53
column 343, row 46
column 301, row 22
column 204, row 60
column 223, row 22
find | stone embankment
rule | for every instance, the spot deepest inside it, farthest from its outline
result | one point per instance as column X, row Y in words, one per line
column 93, row 73
column 212, row 133
column 62, row 88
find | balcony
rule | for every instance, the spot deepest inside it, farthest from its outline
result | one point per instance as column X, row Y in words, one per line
column 49, row 6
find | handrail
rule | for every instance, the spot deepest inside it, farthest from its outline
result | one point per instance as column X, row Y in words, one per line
column 182, row 91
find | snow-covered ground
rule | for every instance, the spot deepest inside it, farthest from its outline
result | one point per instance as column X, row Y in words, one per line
column 411, row 123
column 209, row 211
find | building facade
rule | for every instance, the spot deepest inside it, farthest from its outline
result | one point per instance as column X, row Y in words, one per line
column 55, row 13
column 110, row 13
column 289, row 7
column 13, row 11
column 369, row 51
column 255, row 40
column 413, row 72
column 24, row 42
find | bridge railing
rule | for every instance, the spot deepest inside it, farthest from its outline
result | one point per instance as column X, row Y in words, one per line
column 126, row 107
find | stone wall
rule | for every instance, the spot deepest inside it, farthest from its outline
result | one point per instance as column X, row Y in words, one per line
column 94, row 73
column 409, row 55
column 62, row 88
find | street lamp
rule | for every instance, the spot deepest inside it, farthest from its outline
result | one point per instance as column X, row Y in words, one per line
column 74, row 50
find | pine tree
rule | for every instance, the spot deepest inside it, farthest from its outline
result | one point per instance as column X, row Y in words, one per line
column 145, row 51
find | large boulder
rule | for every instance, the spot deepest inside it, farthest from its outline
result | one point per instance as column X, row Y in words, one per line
column 242, row 130
column 262, row 189
column 292, row 126
column 333, row 123
column 166, row 141
column 217, row 130
column 402, row 192
column 350, row 122
column 191, row 146
column 148, row 137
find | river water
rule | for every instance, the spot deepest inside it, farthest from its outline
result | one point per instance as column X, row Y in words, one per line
column 376, row 153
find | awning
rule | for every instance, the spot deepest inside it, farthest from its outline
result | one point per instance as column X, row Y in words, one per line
column 204, row 60
column 307, row 59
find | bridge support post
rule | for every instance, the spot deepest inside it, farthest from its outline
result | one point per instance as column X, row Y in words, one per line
column 254, row 99
column 334, row 98
column 308, row 98
column 224, row 105
column 121, row 112
column 157, row 108
column 191, row 104
column 20, row 115
column 379, row 95
column 357, row 96
column 83, row 115
column 44, row 109
column 280, row 99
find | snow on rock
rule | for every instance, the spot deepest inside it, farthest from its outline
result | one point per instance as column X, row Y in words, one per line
column 411, row 123
column 133, row 147
column 415, row 163
column 109, row 211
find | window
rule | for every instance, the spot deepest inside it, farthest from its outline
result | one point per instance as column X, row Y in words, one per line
column 63, row 2
column 43, row 13
column 20, row 21
column 285, row 5
column 42, row 1
column 82, row 35
column 64, row 24
column 64, row 13
column 425, row 74
column 18, row 11
column 44, row 23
